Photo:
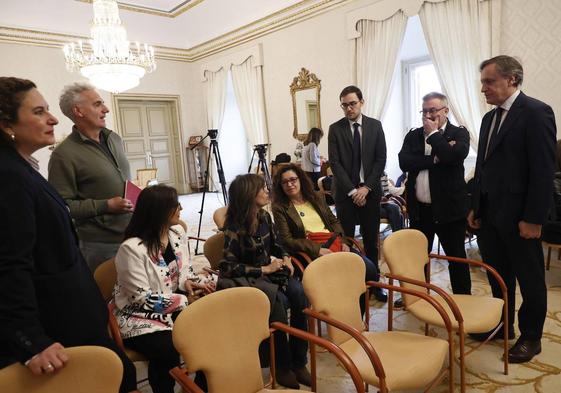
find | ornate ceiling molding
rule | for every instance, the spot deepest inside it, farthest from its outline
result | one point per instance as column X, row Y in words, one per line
column 288, row 16
column 174, row 12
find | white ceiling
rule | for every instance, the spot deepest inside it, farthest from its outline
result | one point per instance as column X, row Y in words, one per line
column 206, row 20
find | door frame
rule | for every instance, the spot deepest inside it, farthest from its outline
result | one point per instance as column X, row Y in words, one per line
column 175, row 101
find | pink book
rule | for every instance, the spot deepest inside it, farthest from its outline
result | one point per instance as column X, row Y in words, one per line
column 131, row 192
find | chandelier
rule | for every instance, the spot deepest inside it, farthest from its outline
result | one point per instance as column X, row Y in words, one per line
column 110, row 63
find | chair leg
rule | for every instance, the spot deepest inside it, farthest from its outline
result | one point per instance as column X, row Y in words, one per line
column 548, row 257
column 311, row 326
column 462, row 359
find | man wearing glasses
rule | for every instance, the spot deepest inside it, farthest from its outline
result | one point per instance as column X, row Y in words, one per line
column 357, row 154
column 433, row 155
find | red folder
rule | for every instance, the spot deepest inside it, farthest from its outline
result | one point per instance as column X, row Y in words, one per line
column 132, row 191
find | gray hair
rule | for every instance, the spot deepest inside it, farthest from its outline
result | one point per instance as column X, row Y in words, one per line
column 507, row 66
column 70, row 96
column 432, row 95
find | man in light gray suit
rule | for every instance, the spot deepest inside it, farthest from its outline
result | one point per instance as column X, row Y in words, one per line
column 357, row 154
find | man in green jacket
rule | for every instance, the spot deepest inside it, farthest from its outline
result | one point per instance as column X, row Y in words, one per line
column 89, row 169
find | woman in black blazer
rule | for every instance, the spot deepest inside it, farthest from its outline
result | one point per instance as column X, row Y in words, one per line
column 48, row 298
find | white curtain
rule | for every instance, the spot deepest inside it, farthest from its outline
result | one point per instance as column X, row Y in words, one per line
column 377, row 49
column 215, row 97
column 458, row 34
column 248, row 88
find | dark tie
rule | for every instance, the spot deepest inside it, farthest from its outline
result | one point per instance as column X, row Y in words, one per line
column 495, row 131
column 355, row 169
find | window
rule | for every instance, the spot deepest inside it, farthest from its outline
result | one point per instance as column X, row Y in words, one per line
column 419, row 78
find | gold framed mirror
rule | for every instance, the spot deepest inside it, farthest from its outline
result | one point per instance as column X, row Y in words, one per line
column 305, row 91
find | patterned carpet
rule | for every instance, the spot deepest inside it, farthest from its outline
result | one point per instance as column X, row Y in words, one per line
column 484, row 367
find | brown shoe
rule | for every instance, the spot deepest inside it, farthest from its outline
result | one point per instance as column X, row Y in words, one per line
column 287, row 379
column 303, row 376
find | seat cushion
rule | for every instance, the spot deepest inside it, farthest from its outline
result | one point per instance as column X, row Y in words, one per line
column 410, row 360
column 480, row 313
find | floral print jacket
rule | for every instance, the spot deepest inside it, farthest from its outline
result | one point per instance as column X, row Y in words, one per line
column 148, row 291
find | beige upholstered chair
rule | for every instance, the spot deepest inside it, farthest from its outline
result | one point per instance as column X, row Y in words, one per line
column 105, row 276
column 219, row 217
column 213, row 249
column 406, row 254
column 224, row 344
column 89, row 370
column 388, row 360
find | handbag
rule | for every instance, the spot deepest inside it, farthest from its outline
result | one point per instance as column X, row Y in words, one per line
column 330, row 240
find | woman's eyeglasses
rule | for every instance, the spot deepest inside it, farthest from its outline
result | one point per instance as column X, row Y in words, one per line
column 290, row 180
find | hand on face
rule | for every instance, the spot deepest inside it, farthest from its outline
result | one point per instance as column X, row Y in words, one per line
column 434, row 113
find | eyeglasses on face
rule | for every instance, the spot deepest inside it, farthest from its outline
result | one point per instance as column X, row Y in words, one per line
column 290, row 180
column 431, row 111
column 351, row 104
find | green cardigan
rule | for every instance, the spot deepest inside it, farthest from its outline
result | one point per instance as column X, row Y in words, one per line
column 291, row 228
column 86, row 177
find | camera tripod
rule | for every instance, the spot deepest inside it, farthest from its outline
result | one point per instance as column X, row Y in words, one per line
column 212, row 151
column 261, row 151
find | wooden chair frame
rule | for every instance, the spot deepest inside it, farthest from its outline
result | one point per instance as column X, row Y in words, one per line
column 455, row 309
column 368, row 347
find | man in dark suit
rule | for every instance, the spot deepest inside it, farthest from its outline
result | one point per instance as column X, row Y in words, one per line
column 512, row 195
column 357, row 154
column 433, row 155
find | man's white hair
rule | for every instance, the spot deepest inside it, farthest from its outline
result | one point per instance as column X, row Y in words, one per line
column 70, row 96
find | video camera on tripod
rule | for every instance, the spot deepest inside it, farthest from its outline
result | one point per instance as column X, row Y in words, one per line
column 261, row 150
column 212, row 151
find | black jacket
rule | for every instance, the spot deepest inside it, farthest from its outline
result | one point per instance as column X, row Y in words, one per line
column 47, row 292
column 516, row 177
column 446, row 178
column 340, row 147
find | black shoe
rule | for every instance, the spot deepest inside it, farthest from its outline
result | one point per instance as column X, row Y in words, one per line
column 303, row 376
column 379, row 294
column 398, row 304
column 287, row 379
column 524, row 350
column 498, row 336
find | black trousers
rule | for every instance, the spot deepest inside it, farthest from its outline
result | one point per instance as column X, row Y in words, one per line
column 158, row 348
column 452, row 237
column 520, row 259
column 290, row 353
column 368, row 217
column 314, row 176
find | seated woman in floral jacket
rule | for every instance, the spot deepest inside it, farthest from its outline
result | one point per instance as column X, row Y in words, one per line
column 155, row 280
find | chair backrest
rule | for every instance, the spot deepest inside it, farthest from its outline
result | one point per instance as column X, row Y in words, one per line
column 105, row 276
column 219, row 216
column 214, row 249
column 145, row 175
column 406, row 253
column 333, row 284
column 220, row 335
column 89, row 370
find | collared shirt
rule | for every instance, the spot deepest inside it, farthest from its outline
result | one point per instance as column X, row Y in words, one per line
column 422, row 186
column 506, row 107
column 358, row 120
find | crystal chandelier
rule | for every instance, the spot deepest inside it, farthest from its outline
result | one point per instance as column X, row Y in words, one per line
column 111, row 64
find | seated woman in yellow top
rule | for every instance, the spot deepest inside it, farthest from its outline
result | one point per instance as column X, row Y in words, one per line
column 298, row 209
